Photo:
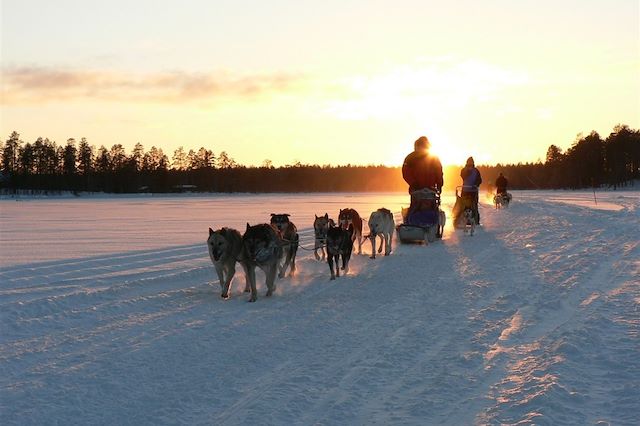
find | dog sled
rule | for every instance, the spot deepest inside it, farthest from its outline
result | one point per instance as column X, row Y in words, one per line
column 465, row 201
column 423, row 221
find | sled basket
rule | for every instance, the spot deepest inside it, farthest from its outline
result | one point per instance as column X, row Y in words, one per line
column 414, row 234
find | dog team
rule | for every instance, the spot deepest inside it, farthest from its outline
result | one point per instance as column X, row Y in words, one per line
column 272, row 246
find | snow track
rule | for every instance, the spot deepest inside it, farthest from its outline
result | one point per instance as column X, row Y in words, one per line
column 535, row 319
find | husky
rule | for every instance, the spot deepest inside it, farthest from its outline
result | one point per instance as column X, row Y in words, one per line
column 350, row 217
column 289, row 235
column 339, row 243
column 502, row 200
column 225, row 249
column 321, row 225
column 381, row 224
column 469, row 221
column 261, row 247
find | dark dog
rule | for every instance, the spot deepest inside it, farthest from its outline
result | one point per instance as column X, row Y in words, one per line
column 289, row 235
column 339, row 243
column 350, row 217
column 321, row 225
column 262, row 247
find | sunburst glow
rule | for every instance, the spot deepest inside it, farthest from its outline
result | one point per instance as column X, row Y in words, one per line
column 476, row 83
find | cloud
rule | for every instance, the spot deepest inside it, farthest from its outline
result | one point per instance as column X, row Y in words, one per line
column 425, row 90
column 42, row 84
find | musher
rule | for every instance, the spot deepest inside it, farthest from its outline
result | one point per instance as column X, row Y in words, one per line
column 471, row 181
column 501, row 184
column 421, row 169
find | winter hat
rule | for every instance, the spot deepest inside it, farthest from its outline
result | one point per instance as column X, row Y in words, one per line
column 421, row 142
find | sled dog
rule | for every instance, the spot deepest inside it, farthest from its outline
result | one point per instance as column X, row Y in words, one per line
column 321, row 225
column 351, row 217
column 501, row 200
column 289, row 235
column 469, row 221
column 225, row 248
column 339, row 243
column 261, row 247
column 381, row 224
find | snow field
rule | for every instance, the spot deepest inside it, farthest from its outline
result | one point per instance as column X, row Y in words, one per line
column 532, row 320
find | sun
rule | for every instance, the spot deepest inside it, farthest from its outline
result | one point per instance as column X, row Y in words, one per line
column 448, row 152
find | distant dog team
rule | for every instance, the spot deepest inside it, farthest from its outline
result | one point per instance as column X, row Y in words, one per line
column 501, row 200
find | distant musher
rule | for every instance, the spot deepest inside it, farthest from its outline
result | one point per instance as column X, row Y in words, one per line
column 471, row 181
column 501, row 184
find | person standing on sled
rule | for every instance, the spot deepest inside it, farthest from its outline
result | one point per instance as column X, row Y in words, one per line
column 501, row 185
column 471, row 181
column 423, row 172
column 421, row 169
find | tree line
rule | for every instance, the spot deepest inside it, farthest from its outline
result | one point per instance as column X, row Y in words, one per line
column 77, row 166
column 590, row 161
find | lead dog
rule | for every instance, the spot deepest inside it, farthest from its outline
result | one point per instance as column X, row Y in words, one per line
column 261, row 247
column 225, row 248
column 381, row 224
column 469, row 221
column 289, row 235
column 339, row 244
column 321, row 226
column 350, row 217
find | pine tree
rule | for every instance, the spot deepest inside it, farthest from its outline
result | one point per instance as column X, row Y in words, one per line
column 27, row 159
column 103, row 162
column 69, row 157
column 10, row 153
column 137, row 157
column 179, row 160
column 85, row 157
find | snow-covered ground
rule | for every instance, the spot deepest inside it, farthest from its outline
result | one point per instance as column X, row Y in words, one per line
column 110, row 314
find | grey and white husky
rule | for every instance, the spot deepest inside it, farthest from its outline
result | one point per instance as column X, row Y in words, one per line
column 225, row 249
column 381, row 223
column 290, row 239
column 469, row 221
column 262, row 248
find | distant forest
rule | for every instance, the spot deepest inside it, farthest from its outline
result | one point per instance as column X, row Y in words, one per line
column 44, row 167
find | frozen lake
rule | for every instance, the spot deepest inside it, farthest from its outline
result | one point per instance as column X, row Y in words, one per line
column 110, row 314
column 35, row 230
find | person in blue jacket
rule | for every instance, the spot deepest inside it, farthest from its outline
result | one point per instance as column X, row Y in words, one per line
column 471, row 180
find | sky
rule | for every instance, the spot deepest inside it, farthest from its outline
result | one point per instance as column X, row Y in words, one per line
column 332, row 82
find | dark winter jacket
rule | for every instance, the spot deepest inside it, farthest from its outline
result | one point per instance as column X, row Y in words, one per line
column 471, row 179
column 501, row 184
column 421, row 170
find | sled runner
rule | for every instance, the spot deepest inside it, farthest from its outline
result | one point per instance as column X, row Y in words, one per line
column 423, row 221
